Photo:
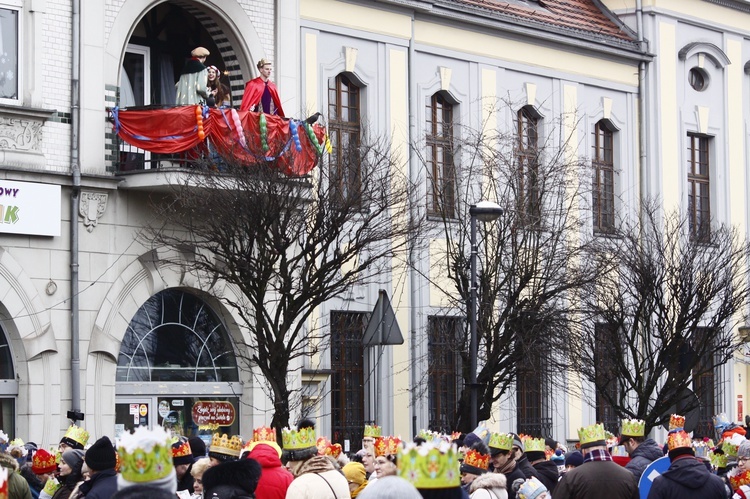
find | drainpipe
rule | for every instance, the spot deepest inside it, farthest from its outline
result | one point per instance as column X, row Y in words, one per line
column 414, row 213
column 75, row 170
column 642, row 121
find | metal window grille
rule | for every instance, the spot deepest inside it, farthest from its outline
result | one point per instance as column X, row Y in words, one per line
column 699, row 201
column 344, row 129
column 605, row 378
column 527, row 157
column 444, row 371
column 441, row 184
column 347, row 377
column 533, row 415
column 604, row 173
column 708, row 388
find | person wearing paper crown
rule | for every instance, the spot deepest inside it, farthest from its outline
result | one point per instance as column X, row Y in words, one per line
column 433, row 468
column 275, row 478
column 224, row 448
column 687, row 477
column 182, row 458
column 146, row 458
column 598, row 477
column 642, row 451
column 503, row 460
column 386, row 456
column 315, row 476
column 17, row 486
column 546, row 471
column 519, row 454
column 476, row 478
column 75, row 438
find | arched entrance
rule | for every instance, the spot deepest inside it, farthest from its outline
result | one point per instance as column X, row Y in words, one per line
column 8, row 386
column 176, row 368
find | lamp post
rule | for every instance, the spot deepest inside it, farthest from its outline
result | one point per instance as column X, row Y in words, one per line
column 486, row 211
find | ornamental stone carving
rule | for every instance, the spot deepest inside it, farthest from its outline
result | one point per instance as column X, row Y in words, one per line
column 91, row 207
column 20, row 134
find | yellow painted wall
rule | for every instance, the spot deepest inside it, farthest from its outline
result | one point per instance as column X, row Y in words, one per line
column 311, row 72
column 375, row 20
column 669, row 138
column 399, row 121
column 705, row 11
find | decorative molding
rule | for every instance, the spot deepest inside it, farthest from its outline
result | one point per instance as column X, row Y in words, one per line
column 607, row 108
column 530, row 94
column 350, row 56
column 702, row 114
column 91, row 207
column 445, row 78
column 709, row 50
column 741, row 5
column 20, row 134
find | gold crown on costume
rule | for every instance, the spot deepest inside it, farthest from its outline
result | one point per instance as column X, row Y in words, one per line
column 633, row 428
column 676, row 421
column 387, row 446
column 145, row 455
column 737, row 479
column 51, row 486
column 432, row 465
column 326, row 448
column 373, row 431
column 77, row 434
column 531, row 488
column 477, row 459
column 304, row 438
column 182, row 449
column 223, row 444
column 502, row 441
column 264, row 434
column 717, row 460
column 679, row 438
column 534, row 445
column 592, row 433
column 729, row 448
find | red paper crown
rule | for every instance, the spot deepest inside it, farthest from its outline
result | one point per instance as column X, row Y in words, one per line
column 326, row 448
column 740, row 479
column 43, row 462
column 676, row 421
column 387, row 446
column 264, row 434
column 455, row 435
column 477, row 459
column 678, row 438
column 181, row 450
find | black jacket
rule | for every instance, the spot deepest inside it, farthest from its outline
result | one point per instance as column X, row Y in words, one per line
column 548, row 474
column 525, row 466
column 647, row 452
column 687, row 478
column 102, row 485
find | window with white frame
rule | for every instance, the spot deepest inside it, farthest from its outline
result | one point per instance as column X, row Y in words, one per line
column 10, row 72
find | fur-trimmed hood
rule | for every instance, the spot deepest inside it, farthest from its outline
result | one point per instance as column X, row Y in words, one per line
column 494, row 481
column 8, row 461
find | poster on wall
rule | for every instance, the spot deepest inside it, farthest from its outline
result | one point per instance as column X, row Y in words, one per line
column 213, row 413
column 29, row 208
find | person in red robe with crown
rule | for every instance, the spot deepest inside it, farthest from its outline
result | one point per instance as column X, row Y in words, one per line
column 261, row 94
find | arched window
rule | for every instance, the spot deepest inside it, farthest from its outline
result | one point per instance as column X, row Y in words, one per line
column 175, row 336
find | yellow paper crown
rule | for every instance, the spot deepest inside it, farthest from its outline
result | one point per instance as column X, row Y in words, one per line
column 223, row 444
column 298, row 439
column 77, row 434
column 430, row 465
column 477, row 459
column 501, row 441
column 717, row 460
column 531, row 488
column 737, row 479
column 633, row 427
column 145, row 455
column 677, row 439
column 676, row 421
column 592, row 434
column 373, row 431
column 534, row 445
column 264, row 434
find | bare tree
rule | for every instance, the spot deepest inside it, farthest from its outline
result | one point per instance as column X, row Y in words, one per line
column 288, row 245
column 663, row 316
column 531, row 260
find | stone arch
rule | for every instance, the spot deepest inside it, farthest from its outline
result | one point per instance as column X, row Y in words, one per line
column 229, row 25
column 144, row 277
column 28, row 323
column 713, row 53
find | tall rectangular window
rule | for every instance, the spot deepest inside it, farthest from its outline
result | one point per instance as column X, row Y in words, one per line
column 444, row 371
column 605, row 377
column 699, row 200
column 527, row 156
column 603, row 190
column 441, row 182
column 9, row 63
column 707, row 387
column 532, row 391
column 347, row 377
column 344, row 130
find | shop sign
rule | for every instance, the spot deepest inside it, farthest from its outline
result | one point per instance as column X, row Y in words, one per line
column 29, row 208
column 210, row 412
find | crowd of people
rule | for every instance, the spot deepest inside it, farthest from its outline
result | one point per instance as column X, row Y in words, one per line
column 153, row 463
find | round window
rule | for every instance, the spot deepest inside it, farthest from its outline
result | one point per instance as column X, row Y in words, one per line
column 698, row 78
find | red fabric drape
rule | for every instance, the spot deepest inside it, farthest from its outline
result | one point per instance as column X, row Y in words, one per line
column 175, row 130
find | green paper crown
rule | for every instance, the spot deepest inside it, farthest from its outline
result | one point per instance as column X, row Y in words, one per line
column 502, row 441
column 145, row 455
column 729, row 448
column 51, row 486
column 430, row 465
column 298, row 439
column 633, row 427
column 717, row 460
column 534, row 445
column 592, row 433
column 373, row 431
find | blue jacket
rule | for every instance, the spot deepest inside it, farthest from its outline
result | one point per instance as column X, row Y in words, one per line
column 687, row 478
column 102, row 485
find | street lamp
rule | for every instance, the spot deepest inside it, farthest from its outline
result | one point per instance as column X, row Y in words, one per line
column 486, row 211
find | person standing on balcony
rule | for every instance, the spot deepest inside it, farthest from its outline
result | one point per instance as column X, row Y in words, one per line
column 261, row 94
column 191, row 88
column 218, row 93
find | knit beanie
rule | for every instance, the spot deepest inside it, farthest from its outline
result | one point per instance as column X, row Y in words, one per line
column 573, row 458
column 198, row 446
column 354, row 473
column 101, row 456
column 74, row 459
column 470, row 439
column 231, row 479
